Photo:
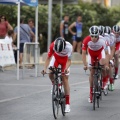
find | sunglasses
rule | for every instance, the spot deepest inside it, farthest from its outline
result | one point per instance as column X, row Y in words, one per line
column 2, row 18
column 94, row 36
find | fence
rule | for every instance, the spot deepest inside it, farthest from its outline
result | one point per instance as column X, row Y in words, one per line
column 31, row 56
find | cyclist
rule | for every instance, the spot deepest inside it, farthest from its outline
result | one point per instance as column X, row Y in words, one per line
column 96, row 48
column 111, row 49
column 60, row 51
column 101, row 35
column 116, row 32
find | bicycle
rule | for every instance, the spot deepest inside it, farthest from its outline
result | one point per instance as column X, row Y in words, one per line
column 58, row 96
column 97, row 84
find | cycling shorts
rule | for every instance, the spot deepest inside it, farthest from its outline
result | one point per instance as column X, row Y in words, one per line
column 94, row 55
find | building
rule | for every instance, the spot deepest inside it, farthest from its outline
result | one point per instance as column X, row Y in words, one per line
column 107, row 3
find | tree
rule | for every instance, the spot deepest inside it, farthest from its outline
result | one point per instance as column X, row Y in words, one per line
column 93, row 14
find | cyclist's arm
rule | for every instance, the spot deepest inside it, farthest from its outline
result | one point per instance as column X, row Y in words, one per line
column 107, row 57
column 68, row 64
column 84, row 49
column 112, row 52
column 50, row 53
column 69, row 56
column 84, row 57
column 70, row 28
column 107, row 54
column 47, row 61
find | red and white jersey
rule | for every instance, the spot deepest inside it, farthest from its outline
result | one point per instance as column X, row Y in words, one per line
column 117, row 42
column 110, row 38
column 117, row 39
column 87, row 43
column 107, row 38
column 66, row 52
column 102, row 37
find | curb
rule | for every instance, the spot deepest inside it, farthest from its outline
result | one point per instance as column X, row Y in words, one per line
column 73, row 62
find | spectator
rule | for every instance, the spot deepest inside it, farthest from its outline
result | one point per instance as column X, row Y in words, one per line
column 31, row 25
column 25, row 34
column 9, row 39
column 76, row 30
column 9, row 36
column 4, row 27
column 64, row 27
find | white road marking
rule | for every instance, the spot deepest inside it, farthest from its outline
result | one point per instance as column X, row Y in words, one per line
column 6, row 84
column 14, row 98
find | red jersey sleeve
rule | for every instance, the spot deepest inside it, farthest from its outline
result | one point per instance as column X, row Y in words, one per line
column 85, row 43
column 51, row 51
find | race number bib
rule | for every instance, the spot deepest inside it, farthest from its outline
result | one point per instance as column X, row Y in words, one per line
column 79, row 33
column 66, row 30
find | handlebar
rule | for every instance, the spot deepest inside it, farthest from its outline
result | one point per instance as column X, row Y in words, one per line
column 55, row 70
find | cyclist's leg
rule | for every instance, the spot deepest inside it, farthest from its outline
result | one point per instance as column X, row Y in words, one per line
column 92, row 71
column 103, row 61
column 66, row 88
column 117, row 53
column 111, row 87
column 90, row 78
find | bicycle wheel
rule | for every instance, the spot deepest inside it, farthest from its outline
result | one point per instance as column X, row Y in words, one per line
column 100, row 86
column 94, row 91
column 94, row 98
column 101, row 90
column 97, row 91
column 55, row 100
column 98, row 96
column 62, row 102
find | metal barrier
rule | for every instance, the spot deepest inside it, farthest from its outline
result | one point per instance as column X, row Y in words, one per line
column 31, row 56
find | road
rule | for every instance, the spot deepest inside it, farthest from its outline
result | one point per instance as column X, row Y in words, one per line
column 30, row 98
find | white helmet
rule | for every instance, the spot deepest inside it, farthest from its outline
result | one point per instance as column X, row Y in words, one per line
column 107, row 29
column 94, row 31
column 101, row 30
column 59, row 44
column 116, row 29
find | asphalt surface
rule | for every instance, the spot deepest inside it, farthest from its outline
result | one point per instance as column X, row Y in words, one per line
column 30, row 98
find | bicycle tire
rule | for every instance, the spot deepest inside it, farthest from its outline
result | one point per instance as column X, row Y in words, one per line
column 98, row 96
column 94, row 91
column 62, row 102
column 97, row 92
column 101, row 90
column 100, row 86
column 55, row 100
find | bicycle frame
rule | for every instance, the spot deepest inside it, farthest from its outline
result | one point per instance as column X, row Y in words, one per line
column 97, row 83
column 58, row 97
